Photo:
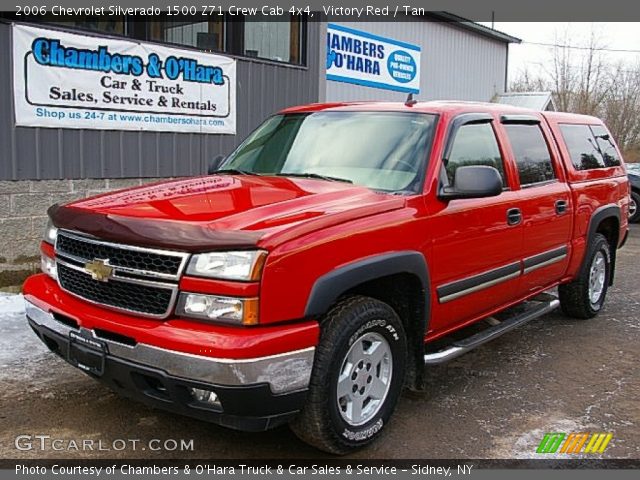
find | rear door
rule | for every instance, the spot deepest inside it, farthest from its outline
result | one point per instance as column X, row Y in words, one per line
column 476, row 242
column 545, row 201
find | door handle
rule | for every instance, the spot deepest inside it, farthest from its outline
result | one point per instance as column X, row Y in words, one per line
column 514, row 216
column 561, row 206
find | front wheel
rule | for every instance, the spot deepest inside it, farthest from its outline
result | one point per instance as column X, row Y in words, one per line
column 357, row 376
column 584, row 297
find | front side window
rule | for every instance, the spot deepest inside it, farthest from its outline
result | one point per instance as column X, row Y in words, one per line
column 381, row 150
column 474, row 144
column 531, row 154
column 582, row 146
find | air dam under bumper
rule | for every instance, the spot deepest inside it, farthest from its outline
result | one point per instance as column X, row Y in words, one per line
column 254, row 394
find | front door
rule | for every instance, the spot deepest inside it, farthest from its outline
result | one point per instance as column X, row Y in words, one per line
column 476, row 242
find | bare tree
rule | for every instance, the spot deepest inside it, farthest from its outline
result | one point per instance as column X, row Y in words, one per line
column 621, row 106
column 563, row 74
column 593, row 83
column 528, row 82
column 583, row 80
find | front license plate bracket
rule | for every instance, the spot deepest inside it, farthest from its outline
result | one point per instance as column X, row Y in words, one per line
column 87, row 354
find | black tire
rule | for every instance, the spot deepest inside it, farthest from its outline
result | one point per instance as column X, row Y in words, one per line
column 575, row 298
column 635, row 197
column 321, row 422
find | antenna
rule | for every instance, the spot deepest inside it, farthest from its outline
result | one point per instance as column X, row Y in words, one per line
column 410, row 102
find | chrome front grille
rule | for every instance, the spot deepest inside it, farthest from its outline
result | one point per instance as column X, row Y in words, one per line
column 138, row 260
column 138, row 280
column 128, row 296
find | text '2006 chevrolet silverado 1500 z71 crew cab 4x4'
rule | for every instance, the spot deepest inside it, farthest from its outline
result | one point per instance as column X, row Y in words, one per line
column 307, row 279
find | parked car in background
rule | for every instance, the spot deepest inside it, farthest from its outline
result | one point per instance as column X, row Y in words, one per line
column 633, row 171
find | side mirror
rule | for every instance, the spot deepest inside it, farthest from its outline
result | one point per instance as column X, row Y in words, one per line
column 214, row 164
column 474, row 181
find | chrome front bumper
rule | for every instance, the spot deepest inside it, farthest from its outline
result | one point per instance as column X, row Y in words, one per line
column 285, row 373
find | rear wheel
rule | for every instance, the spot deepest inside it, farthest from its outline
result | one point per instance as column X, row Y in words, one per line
column 584, row 297
column 634, row 213
column 357, row 376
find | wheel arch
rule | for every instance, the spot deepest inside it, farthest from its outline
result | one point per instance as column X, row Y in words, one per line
column 606, row 221
column 400, row 279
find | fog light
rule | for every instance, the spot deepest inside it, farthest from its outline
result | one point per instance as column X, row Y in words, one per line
column 242, row 311
column 48, row 266
column 205, row 396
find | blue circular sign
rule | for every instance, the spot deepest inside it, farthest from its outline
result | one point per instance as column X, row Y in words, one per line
column 402, row 66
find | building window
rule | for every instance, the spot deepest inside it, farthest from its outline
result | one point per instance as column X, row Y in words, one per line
column 207, row 36
column 112, row 26
column 277, row 40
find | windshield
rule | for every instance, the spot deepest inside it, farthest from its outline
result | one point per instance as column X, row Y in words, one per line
column 380, row 150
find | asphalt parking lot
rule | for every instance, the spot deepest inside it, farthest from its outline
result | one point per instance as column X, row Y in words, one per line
column 554, row 374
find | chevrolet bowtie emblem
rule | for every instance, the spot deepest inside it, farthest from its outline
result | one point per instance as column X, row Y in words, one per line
column 99, row 269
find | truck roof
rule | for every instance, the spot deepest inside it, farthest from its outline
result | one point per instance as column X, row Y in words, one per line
column 438, row 107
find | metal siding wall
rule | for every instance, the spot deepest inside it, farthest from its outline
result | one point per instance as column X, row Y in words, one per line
column 47, row 153
column 456, row 64
column 6, row 110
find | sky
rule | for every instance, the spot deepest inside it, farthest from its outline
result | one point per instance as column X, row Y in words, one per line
column 615, row 36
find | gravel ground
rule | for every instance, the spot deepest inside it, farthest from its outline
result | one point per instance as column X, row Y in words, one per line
column 554, row 374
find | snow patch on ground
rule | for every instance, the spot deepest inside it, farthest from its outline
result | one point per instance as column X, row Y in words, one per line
column 11, row 304
column 17, row 341
column 25, row 362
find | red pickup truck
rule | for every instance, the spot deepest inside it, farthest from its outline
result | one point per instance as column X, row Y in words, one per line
column 329, row 258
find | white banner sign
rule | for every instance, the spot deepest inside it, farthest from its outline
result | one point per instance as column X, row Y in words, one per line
column 358, row 57
column 66, row 80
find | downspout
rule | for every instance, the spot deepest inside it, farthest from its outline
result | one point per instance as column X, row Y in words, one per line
column 506, row 70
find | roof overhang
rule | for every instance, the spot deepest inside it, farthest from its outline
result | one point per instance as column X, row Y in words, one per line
column 473, row 26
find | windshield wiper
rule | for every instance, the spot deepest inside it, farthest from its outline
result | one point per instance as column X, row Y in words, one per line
column 314, row 175
column 234, row 171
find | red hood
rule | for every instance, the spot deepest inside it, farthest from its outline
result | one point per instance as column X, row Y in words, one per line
column 220, row 210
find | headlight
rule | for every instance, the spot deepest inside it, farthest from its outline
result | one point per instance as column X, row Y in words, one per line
column 241, row 311
column 50, row 233
column 240, row 265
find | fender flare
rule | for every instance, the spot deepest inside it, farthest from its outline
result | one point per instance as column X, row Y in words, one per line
column 602, row 213
column 330, row 286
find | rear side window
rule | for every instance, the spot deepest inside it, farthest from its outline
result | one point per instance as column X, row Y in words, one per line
column 605, row 144
column 531, row 153
column 474, row 144
column 590, row 147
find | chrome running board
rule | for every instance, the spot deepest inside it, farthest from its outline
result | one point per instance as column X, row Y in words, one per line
column 542, row 305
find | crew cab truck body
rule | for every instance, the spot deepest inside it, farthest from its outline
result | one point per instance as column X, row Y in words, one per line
column 307, row 280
